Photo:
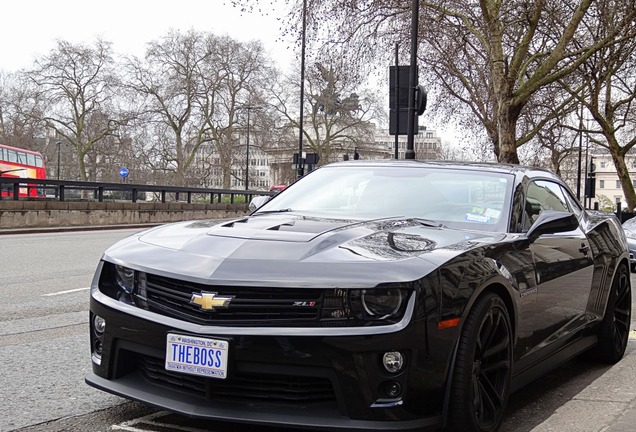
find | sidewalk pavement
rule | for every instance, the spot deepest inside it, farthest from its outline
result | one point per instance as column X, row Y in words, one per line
column 607, row 405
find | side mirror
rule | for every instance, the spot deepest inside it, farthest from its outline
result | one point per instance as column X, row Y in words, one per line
column 258, row 201
column 552, row 222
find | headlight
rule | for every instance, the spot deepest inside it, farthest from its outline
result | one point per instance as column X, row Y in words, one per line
column 381, row 302
column 377, row 303
column 123, row 284
column 125, row 278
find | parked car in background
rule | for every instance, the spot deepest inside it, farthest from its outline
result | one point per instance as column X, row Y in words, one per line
column 369, row 295
column 258, row 201
column 629, row 226
column 277, row 188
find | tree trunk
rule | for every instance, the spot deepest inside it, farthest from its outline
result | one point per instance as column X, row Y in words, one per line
column 507, row 126
column 623, row 173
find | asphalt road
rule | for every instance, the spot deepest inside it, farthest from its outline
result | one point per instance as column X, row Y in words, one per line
column 44, row 356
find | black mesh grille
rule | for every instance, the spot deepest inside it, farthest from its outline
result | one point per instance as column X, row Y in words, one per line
column 249, row 305
column 241, row 386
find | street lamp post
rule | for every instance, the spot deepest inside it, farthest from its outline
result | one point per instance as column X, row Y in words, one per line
column 247, row 147
column 59, row 144
column 578, row 178
column 247, row 153
column 301, row 167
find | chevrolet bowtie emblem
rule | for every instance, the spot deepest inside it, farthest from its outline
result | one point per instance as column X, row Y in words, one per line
column 210, row 300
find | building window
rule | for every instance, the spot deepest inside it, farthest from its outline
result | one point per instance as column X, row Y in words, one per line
column 602, row 164
column 618, row 184
column 601, row 184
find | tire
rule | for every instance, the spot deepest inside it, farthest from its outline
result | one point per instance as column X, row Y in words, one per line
column 481, row 379
column 613, row 332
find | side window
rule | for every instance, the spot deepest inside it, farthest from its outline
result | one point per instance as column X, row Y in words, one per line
column 573, row 204
column 543, row 195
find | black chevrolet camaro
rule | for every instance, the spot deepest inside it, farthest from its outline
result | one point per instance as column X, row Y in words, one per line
column 368, row 295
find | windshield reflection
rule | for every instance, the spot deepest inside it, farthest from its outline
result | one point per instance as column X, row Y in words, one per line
column 453, row 197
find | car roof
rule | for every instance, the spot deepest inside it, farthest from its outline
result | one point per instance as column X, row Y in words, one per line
column 477, row 166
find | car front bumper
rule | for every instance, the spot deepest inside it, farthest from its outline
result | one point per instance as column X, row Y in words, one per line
column 303, row 380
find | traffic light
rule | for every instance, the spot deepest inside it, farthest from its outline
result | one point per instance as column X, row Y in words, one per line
column 590, row 185
column 402, row 76
column 399, row 100
column 312, row 158
column 420, row 100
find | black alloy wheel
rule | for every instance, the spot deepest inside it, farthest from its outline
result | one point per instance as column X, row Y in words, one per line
column 481, row 379
column 614, row 330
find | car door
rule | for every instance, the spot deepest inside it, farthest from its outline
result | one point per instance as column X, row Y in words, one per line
column 563, row 268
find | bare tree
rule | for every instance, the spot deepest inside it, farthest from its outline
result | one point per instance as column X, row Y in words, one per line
column 76, row 85
column 492, row 56
column 338, row 110
column 610, row 88
column 242, row 74
column 190, row 88
column 166, row 83
column 20, row 114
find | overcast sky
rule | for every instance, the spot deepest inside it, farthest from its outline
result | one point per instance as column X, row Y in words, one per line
column 30, row 28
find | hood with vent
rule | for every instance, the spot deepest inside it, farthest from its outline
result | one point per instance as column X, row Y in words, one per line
column 296, row 250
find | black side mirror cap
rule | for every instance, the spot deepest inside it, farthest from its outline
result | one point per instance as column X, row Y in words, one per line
column 552, row 222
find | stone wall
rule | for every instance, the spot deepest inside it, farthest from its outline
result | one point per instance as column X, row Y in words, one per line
column 47, row 214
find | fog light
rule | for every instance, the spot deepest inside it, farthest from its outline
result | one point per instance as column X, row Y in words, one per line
column 393, row 389
column 99, row 324
column 393, row 361
column 97, row 350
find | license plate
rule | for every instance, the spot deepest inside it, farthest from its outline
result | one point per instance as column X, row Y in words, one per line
column 197, row 356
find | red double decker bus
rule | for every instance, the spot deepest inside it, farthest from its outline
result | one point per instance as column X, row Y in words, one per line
column 21, row 163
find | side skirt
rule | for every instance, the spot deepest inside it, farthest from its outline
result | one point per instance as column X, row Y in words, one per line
column 552, row 361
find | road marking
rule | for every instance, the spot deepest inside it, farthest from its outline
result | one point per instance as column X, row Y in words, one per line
column 148, row 421
column 65, row 292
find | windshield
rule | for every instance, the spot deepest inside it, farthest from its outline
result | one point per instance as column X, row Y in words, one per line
column 453, row 197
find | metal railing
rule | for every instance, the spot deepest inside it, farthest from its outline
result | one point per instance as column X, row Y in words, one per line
column 65, row 190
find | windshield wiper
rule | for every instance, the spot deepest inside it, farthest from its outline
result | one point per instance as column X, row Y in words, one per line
column 428, row 222
column 285, row 210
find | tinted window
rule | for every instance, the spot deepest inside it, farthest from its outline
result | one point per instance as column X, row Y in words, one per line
column 543, row 195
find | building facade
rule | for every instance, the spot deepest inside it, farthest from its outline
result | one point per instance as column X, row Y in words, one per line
column 608, row 186
column 608, row 191
column 274, row 165
column 426, row 144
